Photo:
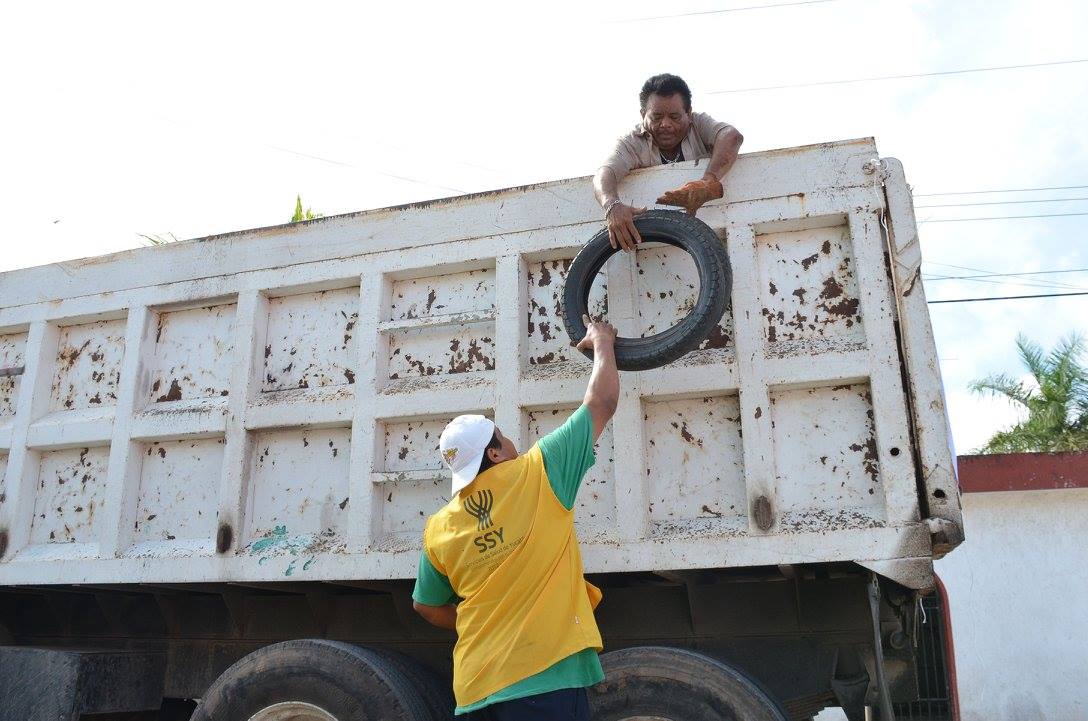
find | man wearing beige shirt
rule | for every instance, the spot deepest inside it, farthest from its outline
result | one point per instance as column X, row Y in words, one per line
column 669, row 133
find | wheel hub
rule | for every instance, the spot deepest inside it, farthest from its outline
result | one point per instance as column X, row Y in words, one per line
column 293, row 711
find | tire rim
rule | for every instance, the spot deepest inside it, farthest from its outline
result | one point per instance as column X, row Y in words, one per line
column 293, row 711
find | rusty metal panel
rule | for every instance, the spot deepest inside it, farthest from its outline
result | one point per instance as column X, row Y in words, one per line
column 695, row 466
column 88, row 365
column 459, row 310
column 809, row 289
column 12, row 346
column 309, row 340
column 466, row 348
column 547, row 340
column 191, row 355
column 3, row 474
column 668, row 286
column 595, row 507
column 299, row 484
column 825, row 456
column 413, row 482
column 441, row 325
column 68, row 507
column 179, row 482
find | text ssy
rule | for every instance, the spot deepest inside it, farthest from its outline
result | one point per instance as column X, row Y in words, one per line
column 489, row 540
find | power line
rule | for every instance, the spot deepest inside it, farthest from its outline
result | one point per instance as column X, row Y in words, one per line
column 1003, row 190
column 1022, row 283
column 728, row 10
column 1000, row 202
column 256, row 143
column 999, row 275
column 1005, row 297
column 896, row 77
column 1001, row 217
column 367, row 169
column 1065, row 286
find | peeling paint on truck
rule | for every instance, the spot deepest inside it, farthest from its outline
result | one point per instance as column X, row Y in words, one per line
column 276, row 414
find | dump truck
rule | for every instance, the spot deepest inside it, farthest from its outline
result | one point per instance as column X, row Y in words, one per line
column 217, row 456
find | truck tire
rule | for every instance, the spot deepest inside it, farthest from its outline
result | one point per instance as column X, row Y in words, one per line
column 436, row 692
column 715, row 283
column 312, row 680
column 673, row 684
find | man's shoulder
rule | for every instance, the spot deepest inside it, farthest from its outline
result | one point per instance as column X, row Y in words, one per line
column 704, row 121
column 637, row 134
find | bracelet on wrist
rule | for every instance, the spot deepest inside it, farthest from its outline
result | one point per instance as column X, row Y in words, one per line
column 611, row 204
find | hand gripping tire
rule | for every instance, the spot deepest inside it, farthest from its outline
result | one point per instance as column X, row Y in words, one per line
column 715, row 282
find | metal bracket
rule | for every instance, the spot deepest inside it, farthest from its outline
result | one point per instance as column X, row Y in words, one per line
column 886, row 712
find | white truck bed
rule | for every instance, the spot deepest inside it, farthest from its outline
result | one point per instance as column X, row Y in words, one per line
column 278, row 393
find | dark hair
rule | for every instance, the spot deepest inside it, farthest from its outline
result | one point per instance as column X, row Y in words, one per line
column 485, row 462
column 665, row 85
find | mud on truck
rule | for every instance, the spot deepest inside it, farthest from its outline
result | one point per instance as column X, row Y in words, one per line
column 217, row 455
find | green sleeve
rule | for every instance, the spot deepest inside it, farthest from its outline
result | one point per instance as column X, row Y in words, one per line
column 568, row 454
column 432, row 588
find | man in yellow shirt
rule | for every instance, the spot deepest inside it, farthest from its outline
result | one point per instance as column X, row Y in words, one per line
column 527, row 641
column 668, row 133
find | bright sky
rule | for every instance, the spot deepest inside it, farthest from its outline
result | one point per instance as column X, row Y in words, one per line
column 123, row 119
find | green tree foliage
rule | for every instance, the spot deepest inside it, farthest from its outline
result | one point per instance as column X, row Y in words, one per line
column 301, row 214
column 1056, row 403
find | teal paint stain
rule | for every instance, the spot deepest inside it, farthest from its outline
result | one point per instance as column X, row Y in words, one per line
column 290, row 569
column 306, row 566
column 278, row 536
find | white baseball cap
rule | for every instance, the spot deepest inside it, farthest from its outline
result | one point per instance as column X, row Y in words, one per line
column 463, row 443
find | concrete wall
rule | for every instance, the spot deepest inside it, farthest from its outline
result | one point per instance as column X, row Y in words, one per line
column 1018, row 591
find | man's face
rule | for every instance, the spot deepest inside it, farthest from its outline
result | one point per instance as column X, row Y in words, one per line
column 667, row 120
column 507, row 453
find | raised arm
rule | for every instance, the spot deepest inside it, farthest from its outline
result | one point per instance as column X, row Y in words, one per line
column 603, row 394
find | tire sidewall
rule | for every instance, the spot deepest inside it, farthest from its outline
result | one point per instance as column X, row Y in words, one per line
column 679, row 685
column 715, row 278
column 350, row 683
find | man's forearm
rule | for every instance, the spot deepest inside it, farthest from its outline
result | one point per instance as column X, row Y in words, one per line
column 603, row 394
column 726, row 149
column 606, row 186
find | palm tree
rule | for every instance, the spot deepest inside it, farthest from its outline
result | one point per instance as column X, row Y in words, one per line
column 1056, row 403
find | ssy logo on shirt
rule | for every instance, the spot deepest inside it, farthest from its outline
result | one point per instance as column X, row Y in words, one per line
column 479, row 505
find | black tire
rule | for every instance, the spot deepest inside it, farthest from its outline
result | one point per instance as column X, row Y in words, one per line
column 679, row 685
column 715, row 283
column 435, row 691
column 347, row 682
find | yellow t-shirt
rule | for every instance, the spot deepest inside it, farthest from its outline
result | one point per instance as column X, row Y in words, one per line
column 507, row 545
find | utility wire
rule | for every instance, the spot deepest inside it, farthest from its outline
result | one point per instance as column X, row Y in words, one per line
column 896, row 77
column 1023, row 283
column 258, row 144
column 727, row 10
column 1004, row 297
column 1001, row 217
column 1000, row 202
column 1003, row 190
column 999, row 275
column 1053, row 284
